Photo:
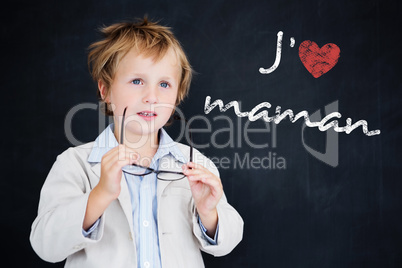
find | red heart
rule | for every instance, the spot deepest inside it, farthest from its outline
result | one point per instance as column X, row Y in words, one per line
column 317, row 60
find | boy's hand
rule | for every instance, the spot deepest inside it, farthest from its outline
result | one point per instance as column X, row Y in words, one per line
column 207, row 190
column 108, row 188
column 111, row 170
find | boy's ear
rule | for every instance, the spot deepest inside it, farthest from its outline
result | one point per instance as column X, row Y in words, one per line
column 103, row 91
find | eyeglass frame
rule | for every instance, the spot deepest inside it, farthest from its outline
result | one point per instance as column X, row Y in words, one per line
column 151, row 170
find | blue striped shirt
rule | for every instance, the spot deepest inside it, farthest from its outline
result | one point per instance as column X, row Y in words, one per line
column 143, row 197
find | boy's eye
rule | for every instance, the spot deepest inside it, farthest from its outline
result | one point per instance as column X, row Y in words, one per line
column 136, row 82
column 164, row 84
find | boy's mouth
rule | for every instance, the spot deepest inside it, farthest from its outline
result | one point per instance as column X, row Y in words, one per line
column 147, row 114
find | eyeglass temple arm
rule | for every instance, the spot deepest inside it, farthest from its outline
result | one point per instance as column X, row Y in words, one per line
column 122, row 126
column 191, row 147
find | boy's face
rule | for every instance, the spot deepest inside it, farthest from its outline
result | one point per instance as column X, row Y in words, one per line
column 147, row 88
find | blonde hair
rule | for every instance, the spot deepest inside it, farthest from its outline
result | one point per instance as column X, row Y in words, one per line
column 149, row 38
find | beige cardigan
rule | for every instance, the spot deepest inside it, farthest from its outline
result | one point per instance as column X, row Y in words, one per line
column 57, row 231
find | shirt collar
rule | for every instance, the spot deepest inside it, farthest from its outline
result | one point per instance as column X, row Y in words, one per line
column 107, row 141
column 103, row 143
column 168, row 146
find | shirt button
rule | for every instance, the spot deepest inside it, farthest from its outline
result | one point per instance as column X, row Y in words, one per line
column 145, row 223
column 146, row 264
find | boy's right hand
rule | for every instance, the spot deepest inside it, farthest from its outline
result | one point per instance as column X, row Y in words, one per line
column 111, row 170
column 108, row 188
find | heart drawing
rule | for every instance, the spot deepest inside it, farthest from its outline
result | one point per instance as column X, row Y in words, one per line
column 317, row 60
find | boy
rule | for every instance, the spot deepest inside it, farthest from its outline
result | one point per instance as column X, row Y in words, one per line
column 94, row 210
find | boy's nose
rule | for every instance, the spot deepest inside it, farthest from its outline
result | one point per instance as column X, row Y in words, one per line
column 150, row 96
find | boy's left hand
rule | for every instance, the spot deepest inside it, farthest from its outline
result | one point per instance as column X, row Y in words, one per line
column 207, row 190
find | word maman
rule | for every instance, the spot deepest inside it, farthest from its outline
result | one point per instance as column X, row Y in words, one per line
column 322, row 125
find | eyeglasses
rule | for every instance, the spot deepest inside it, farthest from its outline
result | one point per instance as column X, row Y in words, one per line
column 164, row 175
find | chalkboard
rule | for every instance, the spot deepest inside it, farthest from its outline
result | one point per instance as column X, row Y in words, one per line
column 308, row 197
